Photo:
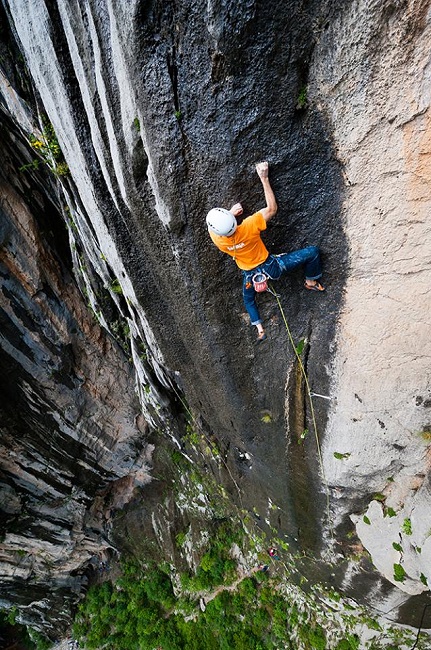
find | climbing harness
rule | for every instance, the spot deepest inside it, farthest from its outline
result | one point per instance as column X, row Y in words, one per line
column 312, row 413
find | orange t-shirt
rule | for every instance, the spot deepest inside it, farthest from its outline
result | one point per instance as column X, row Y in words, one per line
column 245, row 245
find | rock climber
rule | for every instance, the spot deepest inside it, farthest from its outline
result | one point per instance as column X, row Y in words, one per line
column 243, row 242
column 273, row 553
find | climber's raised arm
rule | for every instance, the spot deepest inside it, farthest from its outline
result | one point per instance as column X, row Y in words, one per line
column 271, row 204
column 243, row 242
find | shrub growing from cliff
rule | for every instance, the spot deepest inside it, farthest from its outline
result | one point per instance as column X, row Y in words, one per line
column 216, row 566
column 49, row 149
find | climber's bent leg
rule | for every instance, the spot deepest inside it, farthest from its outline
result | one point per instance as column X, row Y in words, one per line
column 310, row 257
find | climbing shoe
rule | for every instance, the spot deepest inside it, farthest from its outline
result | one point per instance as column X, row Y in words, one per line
column 314, row 287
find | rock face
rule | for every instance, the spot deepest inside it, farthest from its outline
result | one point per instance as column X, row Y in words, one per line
column 68, row 410
column 160, row 111
column 379, row 117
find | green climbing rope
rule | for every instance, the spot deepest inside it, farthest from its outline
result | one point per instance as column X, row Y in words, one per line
column 313, row 415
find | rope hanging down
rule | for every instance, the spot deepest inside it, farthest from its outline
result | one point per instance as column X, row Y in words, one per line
column 313, row 416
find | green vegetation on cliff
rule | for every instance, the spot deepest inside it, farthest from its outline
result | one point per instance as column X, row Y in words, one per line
column 201, row 584
column 141, row 611
column 222, row 606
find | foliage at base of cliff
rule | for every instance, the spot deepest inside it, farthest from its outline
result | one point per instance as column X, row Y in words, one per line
column 219, row 587
column 220, row 608
column 144, row 613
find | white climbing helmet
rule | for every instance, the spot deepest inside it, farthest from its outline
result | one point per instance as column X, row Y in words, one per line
column 221, row 222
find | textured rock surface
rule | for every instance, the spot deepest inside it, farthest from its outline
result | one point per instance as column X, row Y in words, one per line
column 375, row 94
column 69, row 426
column 160, row 110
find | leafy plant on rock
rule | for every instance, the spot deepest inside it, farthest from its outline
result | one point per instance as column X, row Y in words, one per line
column 399, row 573
column 407, row 526
column 49, row 149
column 339, row 456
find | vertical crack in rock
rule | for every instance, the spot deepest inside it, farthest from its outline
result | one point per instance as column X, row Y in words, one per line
column 302, row 457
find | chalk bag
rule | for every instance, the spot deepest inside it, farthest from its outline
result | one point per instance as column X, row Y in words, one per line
column 260, row 282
